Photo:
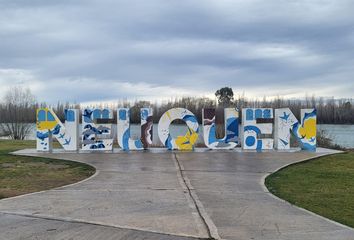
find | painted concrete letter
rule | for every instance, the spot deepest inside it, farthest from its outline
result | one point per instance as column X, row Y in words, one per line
column 304, row 131
column 230, row 139
column 252, row 130
column 181, row 142
column 123, row 127
column 96, row 137
column 49, row 125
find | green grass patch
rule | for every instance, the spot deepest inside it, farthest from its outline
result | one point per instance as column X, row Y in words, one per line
column 324, row 186
column 20, row 175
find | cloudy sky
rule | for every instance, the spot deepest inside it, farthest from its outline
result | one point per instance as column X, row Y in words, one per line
column 104, row 50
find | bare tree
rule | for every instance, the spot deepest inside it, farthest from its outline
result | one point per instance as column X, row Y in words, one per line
column 19, row 108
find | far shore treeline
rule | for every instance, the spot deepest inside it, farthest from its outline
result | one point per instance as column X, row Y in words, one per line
column 329, row 110
column 18, row 109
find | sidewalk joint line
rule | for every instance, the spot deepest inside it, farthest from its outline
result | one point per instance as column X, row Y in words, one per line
column 211, row 228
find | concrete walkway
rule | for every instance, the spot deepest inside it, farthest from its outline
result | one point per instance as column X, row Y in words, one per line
column 167, row 195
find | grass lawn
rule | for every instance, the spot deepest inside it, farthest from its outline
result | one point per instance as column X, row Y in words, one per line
column 20, row 175
column 324, row 186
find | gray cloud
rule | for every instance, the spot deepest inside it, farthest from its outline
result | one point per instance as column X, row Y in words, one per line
column 104, row 50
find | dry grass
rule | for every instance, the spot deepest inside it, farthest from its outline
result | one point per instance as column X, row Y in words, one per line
column 20, row 175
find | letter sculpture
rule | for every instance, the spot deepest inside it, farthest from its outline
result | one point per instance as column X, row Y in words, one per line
column 230, row 139
column 48, row 125
column 123, row 127
column 305, row 132
column 96, row 137
column 252, row 130
column 181, row 142
column 256, row 123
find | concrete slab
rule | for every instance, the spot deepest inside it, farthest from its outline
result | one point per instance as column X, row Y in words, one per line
column 137, row 191
column 14, row 227
column 231, row 189
column 196, row 194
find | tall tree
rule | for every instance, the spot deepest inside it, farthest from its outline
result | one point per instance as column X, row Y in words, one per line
column 225, row 96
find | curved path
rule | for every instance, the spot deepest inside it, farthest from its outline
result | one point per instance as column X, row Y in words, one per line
column 167, row 195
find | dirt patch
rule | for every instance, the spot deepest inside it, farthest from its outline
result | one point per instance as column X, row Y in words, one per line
column 5, row 192
column 7, row 165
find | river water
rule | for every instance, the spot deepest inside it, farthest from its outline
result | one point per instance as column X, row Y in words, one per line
column 342, row 135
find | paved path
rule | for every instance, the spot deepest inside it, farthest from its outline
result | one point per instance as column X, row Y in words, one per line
column 26, row 227
column 167, row 195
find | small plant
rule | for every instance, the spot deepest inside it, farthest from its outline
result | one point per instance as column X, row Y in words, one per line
column 324, row 140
